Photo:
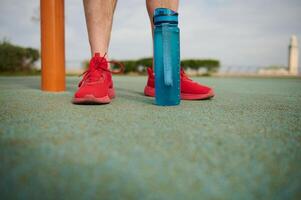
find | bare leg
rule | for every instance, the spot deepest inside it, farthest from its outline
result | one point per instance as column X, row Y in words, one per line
column 99, row 18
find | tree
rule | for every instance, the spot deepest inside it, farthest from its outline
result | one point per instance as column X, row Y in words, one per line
column 209, row 64
column 135, row 65
column 16, row 58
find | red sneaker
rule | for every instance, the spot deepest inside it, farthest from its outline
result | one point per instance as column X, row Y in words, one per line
column 96, row 87
column 190, row 90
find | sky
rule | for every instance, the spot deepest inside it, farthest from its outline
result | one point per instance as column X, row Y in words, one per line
column 238, row 33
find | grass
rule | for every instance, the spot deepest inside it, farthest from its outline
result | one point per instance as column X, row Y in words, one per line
column 243, row 144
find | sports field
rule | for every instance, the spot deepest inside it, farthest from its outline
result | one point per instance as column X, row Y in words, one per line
column 243, row 144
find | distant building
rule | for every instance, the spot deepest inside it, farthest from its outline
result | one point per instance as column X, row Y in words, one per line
column 292, row 68
column 293, row 56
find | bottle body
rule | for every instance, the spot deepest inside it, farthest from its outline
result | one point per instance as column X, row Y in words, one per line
column 167, row 61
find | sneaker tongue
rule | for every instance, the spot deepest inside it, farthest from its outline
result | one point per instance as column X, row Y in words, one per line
column 97, row 66
column 184, row 75
column 99, row 62
column 183, row 72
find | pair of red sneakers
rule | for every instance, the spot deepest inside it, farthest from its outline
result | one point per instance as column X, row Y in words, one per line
column 96, row 87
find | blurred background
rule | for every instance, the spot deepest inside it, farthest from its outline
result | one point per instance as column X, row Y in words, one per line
column 225, row 36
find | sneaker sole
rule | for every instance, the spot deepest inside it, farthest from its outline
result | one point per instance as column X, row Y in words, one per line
column 149, row 91
column 91, row 99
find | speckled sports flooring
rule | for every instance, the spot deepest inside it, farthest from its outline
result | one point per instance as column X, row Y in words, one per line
column 243, row 144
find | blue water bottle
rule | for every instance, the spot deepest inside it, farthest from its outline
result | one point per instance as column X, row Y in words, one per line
column 166, row 57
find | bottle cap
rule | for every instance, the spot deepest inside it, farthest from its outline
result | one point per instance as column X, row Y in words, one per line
column 165, row 15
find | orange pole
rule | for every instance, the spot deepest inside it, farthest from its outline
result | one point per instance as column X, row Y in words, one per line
column 52, row 45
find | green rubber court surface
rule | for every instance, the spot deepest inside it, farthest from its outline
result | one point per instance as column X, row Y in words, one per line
column 243, row 144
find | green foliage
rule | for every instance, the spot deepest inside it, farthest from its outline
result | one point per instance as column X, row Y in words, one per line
column 145, row 62
column 85, row 64
column 135, row 65
column 130, row 66
column 141, row 64
column 16, row 58
column 209, row 64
